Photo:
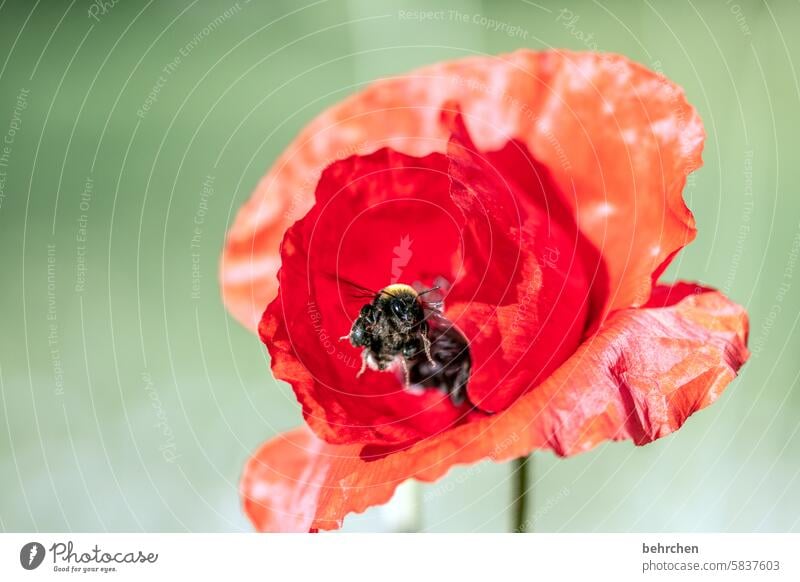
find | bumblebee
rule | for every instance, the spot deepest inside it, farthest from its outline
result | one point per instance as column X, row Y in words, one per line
column 400, row 326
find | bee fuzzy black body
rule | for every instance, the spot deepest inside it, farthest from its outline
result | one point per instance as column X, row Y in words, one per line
column 398, row 326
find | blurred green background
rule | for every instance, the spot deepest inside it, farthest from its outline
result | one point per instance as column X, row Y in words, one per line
column 130, row 399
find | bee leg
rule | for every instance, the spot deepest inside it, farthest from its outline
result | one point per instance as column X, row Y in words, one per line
column 406, row 375
column 426, row 345
column 459, row 391
column 349, row 333
column 363, row 364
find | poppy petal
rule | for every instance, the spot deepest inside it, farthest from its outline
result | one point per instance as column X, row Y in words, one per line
column 520, row 293
column 639, row 378
column 281, row 483
column 352, row 234
column 522, row 297
column 618, row 138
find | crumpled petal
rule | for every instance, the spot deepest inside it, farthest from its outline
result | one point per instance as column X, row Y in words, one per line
column 618, row 138
column 367, row 207
column 520, row 294
column 639, row 378
column 523, row 294
column 281, row 484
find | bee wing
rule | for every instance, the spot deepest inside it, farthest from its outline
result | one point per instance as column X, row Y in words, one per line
column 356, row 290
column 435, row 306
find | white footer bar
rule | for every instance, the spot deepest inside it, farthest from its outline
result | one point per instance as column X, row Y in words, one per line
column 400, row 557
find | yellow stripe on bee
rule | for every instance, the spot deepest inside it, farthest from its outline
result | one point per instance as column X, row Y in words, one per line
column 398, row 289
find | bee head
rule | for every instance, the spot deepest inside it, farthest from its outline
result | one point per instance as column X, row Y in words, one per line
column 402, row 303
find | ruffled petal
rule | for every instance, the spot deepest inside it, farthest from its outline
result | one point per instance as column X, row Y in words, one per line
column 520, row 294
column 523, row 295
column 281, row 483
column 618, row 139
column 639, row 378
column 379, row 219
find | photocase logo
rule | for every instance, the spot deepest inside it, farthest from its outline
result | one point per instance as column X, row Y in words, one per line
column 31, row 555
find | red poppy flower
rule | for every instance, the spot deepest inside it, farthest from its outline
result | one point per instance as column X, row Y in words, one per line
column 542, row 193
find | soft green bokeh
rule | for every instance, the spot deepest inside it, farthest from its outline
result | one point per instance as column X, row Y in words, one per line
column 160, row 396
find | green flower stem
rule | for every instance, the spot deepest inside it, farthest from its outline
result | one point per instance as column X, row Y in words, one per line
column 523, row 496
